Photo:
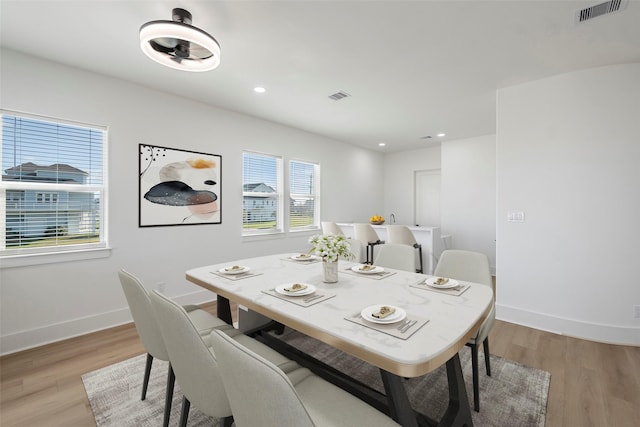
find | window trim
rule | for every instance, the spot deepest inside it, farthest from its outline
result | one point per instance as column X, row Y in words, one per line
column 29, row 256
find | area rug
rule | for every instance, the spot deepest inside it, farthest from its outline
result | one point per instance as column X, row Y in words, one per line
column 515, row 395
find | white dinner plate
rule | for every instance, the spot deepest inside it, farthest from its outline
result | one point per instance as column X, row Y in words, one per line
column 303, row 257
column 450, row 284
column 306, row 291
column 374, row 270
column 367, row 313
column 231, row 270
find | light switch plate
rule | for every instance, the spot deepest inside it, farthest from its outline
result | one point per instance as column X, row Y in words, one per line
column 515, row 216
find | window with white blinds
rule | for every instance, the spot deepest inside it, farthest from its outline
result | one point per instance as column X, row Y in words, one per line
column 53, row 188
column 261, row 193
column 303, row 195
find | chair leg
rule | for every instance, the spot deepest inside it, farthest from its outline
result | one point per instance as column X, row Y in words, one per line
column 487, row 362
column 476, row 388
column 184, row 415
column 147, row 372
column 168, row 399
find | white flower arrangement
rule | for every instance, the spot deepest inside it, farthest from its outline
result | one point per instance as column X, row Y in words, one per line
column 330, row 247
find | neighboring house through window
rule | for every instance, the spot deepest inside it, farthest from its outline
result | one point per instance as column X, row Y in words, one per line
column 53, row 186
column 261, row 193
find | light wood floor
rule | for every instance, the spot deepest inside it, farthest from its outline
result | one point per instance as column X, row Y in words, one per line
column 592, row 384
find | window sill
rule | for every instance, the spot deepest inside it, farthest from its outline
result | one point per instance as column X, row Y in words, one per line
column 263, row 236
column 309, row 230
column 53, row 257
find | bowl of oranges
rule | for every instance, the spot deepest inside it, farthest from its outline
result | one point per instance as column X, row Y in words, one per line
column 376, row 220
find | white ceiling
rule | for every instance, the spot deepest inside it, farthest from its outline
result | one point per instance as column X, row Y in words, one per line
column 412, row 68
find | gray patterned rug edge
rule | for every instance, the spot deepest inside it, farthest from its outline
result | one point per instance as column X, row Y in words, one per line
column 515, row 395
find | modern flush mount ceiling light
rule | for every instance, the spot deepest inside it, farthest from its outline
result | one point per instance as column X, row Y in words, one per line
column 178, row 44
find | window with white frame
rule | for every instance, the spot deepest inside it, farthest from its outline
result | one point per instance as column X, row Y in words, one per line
column 303, row 195
column 263, row 206
column 261, row 193
column 53, row 187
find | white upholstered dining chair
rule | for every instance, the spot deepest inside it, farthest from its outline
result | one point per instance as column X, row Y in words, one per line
column 261, row 394
column 331, row 227
column 367, row 235
column 400, row 257
column 471, row 267
column 194, row 363
column 400, row 234
column 149, row 332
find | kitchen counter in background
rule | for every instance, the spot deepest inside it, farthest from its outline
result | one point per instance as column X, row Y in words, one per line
column 428, row 237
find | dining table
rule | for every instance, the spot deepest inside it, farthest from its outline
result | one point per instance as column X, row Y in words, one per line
column 427, row 327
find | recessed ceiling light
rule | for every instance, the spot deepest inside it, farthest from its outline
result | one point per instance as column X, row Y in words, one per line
column 381, row 144
column 259, row 89
column 442, row 134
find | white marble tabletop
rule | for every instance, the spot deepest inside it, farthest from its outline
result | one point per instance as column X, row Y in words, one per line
column 452, row 319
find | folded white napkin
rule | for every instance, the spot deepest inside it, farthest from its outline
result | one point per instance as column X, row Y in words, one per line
column 384, row 312
column 296, row 287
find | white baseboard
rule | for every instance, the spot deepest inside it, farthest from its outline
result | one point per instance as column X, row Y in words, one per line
column 610, row 334
column 37, row 337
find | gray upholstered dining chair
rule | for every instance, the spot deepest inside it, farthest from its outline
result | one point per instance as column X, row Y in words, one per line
column 263, row 395
column 366, row 234
column 471, row 267
column 194, row 363
column 400, row 234
column 400, row 257
column 147, row 326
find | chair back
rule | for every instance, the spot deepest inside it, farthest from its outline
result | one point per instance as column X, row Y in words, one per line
column 471, row 267
column 400, row 234
column 259, row 392
column 331, row 227
column 397, row 256
column 193, row 363
column 358, row 250
column 365, row 233
column 464, row 265
column 143, row 315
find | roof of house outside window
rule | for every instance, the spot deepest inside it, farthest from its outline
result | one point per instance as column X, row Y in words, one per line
column 30, row 172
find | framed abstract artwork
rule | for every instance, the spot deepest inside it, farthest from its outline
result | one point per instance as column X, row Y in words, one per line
column 178, row 187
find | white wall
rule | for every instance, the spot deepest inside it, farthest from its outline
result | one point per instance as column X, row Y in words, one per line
column 49, row 302
column 399, row 183
column 469, row 194
column 568, row 155
column 467, row 168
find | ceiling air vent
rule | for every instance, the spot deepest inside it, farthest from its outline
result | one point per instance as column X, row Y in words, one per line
column 339, row 95
column 600, row 9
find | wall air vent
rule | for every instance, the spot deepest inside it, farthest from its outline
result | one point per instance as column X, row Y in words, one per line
column 600, row 9
column 339, row 95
